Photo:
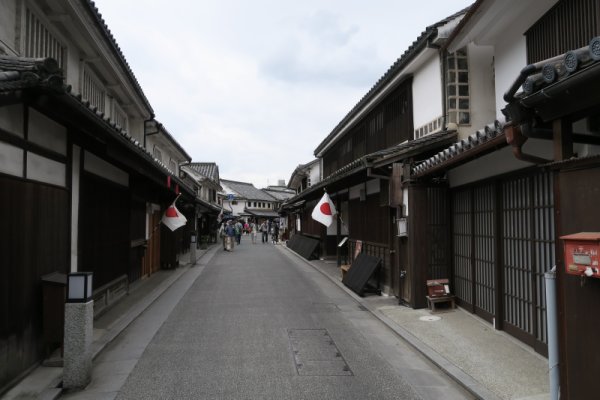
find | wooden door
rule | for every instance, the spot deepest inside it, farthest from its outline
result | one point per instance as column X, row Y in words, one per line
column 152, row 256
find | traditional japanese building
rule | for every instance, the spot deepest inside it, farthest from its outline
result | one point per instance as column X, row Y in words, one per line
column 79, row 188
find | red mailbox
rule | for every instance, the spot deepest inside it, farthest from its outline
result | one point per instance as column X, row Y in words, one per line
column 582, row 254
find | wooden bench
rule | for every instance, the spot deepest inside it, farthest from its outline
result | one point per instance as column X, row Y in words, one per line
column 432, row 301
column 438, row 291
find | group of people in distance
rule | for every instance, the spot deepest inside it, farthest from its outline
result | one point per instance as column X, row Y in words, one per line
column 231, row 232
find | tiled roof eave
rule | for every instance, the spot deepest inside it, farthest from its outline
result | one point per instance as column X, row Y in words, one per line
column 461, row 152
column 414, row 148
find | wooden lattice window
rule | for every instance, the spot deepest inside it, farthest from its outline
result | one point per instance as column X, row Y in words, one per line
column 119, row 116
column 40, row 42
column 92, row 90
column 569, row 25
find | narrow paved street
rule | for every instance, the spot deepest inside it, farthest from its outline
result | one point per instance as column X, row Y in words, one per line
column 260, row 323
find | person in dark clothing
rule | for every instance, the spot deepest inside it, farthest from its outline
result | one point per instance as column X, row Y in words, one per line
column 275, row 232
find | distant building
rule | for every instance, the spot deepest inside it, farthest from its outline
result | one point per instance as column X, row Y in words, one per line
column 245, row 201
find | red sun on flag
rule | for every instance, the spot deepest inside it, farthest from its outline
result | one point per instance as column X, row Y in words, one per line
column 326, row 209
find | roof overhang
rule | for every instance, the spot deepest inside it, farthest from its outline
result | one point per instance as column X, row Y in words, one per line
column 572, row 95
column 261, row 213
column 488, row 20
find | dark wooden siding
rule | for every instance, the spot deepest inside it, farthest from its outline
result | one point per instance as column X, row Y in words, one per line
column 104, row 225
column 34, row 241
column 569, row 25
column 386, row 125
column 578, row 310
column 368, row 221
column 437, row 232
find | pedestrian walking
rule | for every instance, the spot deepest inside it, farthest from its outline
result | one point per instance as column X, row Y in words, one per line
column 264, row 230
column 229, row 236
column 253, row 228
column 275, row 232
column 238, row 232
column 222, row 234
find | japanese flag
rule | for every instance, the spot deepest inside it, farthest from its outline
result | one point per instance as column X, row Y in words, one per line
column 173, row 218
column 324, row 211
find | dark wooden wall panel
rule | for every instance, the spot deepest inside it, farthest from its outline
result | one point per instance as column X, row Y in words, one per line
column 386, row 125
column 34, row 241
column 104, row 225
column 579, row 212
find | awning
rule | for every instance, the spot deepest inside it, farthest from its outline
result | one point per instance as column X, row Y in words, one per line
column 262, row 214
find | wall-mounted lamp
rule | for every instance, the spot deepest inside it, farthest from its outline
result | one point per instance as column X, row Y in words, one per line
column 79, row 287
column 402, row 224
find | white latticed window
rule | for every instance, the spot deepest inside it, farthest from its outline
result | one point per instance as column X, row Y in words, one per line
column 157, row 154
column 119, row 116
column 40, row 43
column 458, row 88
column 93, row 91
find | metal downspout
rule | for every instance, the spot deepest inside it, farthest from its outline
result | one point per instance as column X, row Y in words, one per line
column 551, row 313
column 516, row 139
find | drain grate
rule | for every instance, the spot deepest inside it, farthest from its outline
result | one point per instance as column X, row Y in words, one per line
column 316, row 354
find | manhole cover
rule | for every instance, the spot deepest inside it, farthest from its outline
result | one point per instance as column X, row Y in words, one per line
column 316, row 354
column 430, row 318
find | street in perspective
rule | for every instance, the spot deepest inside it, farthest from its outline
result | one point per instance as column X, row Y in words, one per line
column 299, row 200
column 259, row 322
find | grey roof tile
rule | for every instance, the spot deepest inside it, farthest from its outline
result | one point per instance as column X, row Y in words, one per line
column 208, row 169
column 247, row 190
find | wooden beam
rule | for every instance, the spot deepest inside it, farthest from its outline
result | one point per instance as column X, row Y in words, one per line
column 563, row 139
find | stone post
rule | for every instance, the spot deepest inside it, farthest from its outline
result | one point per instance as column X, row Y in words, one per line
column 79, row 330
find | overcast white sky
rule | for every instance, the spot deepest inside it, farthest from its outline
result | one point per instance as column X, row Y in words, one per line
column 256, row 85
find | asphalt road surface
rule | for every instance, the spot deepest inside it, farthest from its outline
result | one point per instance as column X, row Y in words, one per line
column 260, row 323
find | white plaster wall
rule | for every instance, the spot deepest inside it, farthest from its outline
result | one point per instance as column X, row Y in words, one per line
column 151, row 142
column 46, row 132
column 481, row 88
column 237, row 208
column 427, row 92
column 74, row 67
column 7, row 26
column 11, row 119
column 315, row 173
column 98, row 166
column 498, row 162
column 136, row 128
column 510, row 59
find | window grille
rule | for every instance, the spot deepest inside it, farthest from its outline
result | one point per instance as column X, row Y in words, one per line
column 157, row 154
column 433, row 126
column 40, row 43
column 568, row 25
column 119, row 116
column 93, row 91
column 458, row 88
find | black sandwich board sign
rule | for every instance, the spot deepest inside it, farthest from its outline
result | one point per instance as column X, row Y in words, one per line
column 362, row 269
